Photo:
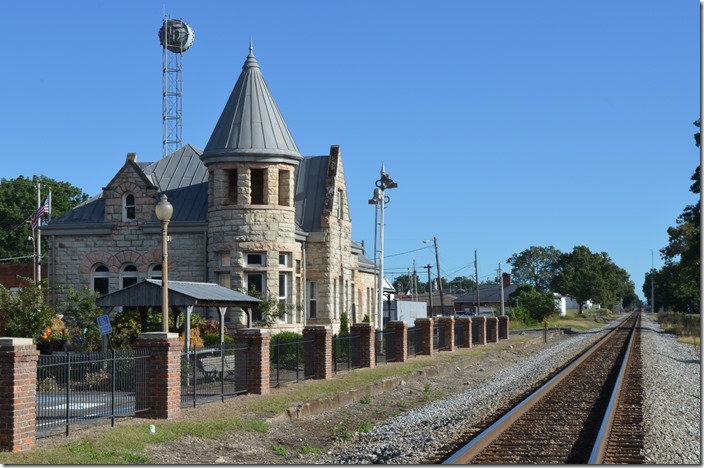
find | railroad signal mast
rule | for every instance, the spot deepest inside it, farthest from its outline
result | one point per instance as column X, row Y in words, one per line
column 176, row 37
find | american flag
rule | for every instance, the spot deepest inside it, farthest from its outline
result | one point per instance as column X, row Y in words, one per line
column 44, row 209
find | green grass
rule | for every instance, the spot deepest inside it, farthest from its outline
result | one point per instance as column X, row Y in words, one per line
column 307, row 449
column 366, row 399
column 364, row 426
column 126, row 444
column 279, row 450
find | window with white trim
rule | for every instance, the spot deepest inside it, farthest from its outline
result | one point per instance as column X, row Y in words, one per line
column 128, row 276
column 155, row 272
column 284, row 259
column 100, row 281
column 129, row 208
column 312, row 299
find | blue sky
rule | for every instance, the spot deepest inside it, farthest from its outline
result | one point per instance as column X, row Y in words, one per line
column 506, row 124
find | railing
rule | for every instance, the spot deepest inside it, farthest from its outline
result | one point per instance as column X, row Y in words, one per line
column 212, row 372
column 385, row 346
column 346, row 352
column 439, row 336
column 80, row 387
column 291, row 360
column 415, row 341
column 459, row 333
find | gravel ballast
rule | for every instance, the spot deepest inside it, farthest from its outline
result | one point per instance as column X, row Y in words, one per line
column 671, row 373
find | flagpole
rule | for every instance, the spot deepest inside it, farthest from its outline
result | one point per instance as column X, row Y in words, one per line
column 39, row 237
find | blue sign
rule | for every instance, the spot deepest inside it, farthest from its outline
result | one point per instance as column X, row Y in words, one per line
column 104, row 324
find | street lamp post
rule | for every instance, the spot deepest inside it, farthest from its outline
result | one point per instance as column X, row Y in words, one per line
column 385, row 182
column 164, row 210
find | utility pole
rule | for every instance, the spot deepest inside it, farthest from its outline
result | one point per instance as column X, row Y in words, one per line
column 430, row 290
column 437, row 261
column 476, row 275
column 501, row 285
column 652, row 283
column 414, row 282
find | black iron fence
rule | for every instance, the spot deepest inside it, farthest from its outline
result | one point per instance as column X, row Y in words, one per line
column 292, row 360
column 459, row 333
column 415, row 341
column 385, row 346
column 80, row 387
column 346, row 352
column 439, row 336
column 213, row 372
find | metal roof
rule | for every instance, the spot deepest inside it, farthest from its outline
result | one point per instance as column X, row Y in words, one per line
column 251, row 126
column 487, row 293
column 181, row 175
column 309, row 195
column 148, row 292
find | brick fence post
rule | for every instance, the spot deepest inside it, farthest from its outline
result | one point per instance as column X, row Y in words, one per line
column 322, row 351
column 449, row 332
column 481, row 329
column 258, row 359
column 466, row 331
column 162, row 393
column 492, row 330
column 503, row 327
column 18, row 394
column 367, row 349
column 400, row 329
column 426, row 327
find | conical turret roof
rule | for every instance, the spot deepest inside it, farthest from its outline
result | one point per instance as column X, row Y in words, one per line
column 251, row 127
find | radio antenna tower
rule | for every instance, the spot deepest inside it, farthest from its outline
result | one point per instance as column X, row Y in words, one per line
column 176, row 37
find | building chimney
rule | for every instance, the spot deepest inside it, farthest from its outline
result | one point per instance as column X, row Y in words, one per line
column 132, row 157
column 506, row 279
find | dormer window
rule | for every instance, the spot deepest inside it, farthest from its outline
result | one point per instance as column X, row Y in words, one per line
column 129, row 209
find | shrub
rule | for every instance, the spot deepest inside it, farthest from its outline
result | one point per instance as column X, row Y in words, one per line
column 214, row 339
column 287, row 349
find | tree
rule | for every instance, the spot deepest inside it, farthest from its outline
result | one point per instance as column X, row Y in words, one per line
column 535, row 266
column 25, row 313
column 463, row 282
column 18, row 202
column 538, row 305
column 80, row 313
column 677, row 282
column 585, row 275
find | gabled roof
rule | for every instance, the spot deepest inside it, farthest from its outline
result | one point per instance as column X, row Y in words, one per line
column 251, row 127
column 487, row 293
column 181, row 175
column 148, row 292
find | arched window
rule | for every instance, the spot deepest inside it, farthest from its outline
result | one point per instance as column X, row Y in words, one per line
column 129, row 209
column 100, row 280
column 155, row 272
column 128, row 277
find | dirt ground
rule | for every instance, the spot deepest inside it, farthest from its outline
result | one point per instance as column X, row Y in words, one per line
column 299, row 441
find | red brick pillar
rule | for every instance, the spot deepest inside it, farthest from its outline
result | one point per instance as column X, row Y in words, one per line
column 162, row 393
column 503, row 327
column 449, row 331
column 322, row 351
column 366, row 343
column 18, row 397
column 492, row 330
column 400, row 329
column 466, row 331
column 481, row 327
column 426, row 327
column 258, row 359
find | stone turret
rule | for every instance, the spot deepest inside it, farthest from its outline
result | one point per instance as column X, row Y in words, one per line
column 251, row 160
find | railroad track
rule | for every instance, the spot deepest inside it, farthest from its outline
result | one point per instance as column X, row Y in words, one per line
column 590, row 412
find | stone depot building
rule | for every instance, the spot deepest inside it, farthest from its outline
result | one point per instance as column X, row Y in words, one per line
column 249, row 212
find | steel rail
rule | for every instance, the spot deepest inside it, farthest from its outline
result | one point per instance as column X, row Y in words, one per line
column 602, row 439
column 469, row 451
